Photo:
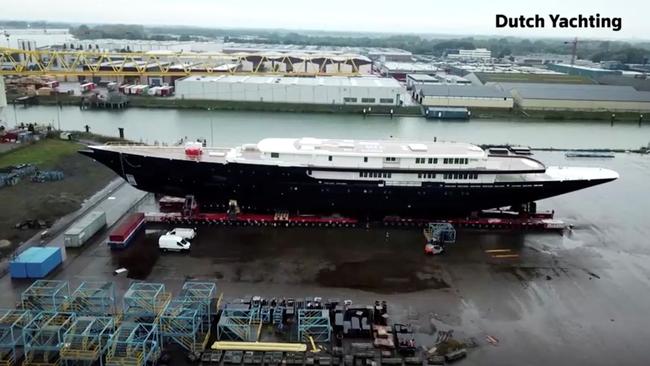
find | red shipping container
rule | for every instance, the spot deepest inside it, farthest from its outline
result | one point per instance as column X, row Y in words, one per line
column 126, row 230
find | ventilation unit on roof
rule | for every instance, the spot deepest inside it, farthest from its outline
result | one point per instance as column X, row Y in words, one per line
column 418, row 147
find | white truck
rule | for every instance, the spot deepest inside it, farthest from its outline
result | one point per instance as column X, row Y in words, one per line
column 173, row 243
column 185, row 233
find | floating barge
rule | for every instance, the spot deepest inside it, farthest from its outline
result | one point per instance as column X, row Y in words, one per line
column 447, row 113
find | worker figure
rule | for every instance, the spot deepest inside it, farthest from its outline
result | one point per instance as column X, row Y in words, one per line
column 364, row 113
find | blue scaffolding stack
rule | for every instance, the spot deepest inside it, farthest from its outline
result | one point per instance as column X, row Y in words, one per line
column 12, row 323
column 440, row 233
column 46, row 295
column 43, row 338
column 133, row 344
column 93, row 298
column 86, row 341
column 239, row 324
column 314, row 324
column 144, row 302
column 186, row 320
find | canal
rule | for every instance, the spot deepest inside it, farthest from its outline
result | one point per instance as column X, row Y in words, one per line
column 234, row 127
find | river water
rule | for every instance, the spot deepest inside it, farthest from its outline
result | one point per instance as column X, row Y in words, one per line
column 222, row 128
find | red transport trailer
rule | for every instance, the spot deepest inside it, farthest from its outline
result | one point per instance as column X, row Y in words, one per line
column 124, row 233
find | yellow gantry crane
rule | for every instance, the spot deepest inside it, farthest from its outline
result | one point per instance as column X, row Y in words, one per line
column 169, row 63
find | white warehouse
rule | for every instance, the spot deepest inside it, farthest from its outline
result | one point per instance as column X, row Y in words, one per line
column 361, row 90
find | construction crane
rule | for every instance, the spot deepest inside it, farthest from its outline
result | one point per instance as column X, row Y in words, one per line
column 168, row 63
column 574, row 49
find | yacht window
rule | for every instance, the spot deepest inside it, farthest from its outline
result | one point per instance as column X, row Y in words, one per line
column 475, row 175
column 430, row 160
column 455, row 175
column 466, row 161
column 445, row 161
column 433, row 175
column 465, row 176
column 456, row 161
column 435, row 160
column 389, row 158
column 419, row 175
column 361, row 174
column 365, row 159
column 275, row 155
column 329, row 158
column 390, row 175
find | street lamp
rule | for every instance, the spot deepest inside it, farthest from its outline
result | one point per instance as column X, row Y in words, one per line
column 211, row 128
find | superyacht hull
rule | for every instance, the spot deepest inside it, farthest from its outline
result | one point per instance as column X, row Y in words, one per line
column 272, row 188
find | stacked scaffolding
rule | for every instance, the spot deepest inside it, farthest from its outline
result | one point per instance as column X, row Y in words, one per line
column 93, row 298
column 43, row 338
column 46, row 295
column 133, row 344
column 314, row 324
column 87, row 340
column 145, row 302
column 186, row 320
column 12, row 323
column 238, row 324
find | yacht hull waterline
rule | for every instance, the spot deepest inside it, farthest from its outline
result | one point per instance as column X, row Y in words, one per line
column 372, row 179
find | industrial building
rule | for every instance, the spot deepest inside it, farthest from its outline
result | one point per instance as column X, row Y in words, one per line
column 579, row 97
column 365, row 90
column 399, row 70
column 413, row 80
column 476, row 54
column 453, row 79
column 471, row 96
column 390, row 54
column 587, row 71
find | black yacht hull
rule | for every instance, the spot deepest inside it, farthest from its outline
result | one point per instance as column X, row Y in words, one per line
column 265, row 188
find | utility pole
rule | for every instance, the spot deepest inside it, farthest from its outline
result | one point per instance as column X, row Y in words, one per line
column 211, row 128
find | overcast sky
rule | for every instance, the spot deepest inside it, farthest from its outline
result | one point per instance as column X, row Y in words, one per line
column 418, row 16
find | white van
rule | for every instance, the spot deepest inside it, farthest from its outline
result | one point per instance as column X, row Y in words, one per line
column 173, row 243
column 185, row 233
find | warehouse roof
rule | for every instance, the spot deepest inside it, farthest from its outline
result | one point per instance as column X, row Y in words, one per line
column 319, row 80
column 422, row 77
column 409, row 67
column 455, row 90
column 618, row 93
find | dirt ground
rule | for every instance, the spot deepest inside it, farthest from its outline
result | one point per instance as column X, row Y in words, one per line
column 52, row 200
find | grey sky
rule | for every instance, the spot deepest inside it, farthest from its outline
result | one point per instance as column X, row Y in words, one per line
column 419, row 16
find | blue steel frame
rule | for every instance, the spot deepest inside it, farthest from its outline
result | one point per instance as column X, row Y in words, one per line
column 45, row 295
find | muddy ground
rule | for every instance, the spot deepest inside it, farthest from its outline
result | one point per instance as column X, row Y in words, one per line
column 52, row 200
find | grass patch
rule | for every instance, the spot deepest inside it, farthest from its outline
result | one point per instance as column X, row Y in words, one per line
column 44, row 153
column 486, row 77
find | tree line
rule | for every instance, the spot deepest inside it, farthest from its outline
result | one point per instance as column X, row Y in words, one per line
column 503, row 47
